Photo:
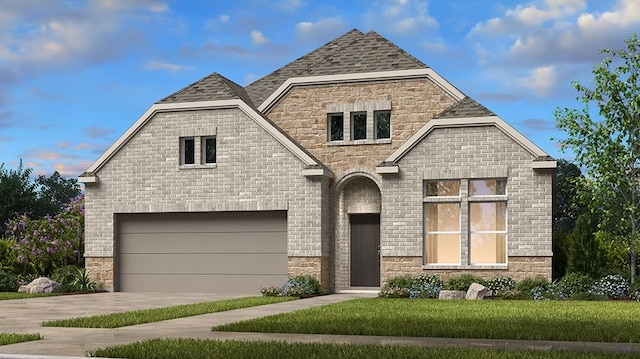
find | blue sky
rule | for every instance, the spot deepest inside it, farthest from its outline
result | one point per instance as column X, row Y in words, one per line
column 74, row 75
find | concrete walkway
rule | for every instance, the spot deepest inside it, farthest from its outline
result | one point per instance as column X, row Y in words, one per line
column 26, row 315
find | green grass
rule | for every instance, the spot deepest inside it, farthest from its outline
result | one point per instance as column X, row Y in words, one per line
column 610, row 321
column 16, row 295
column 117, row 320
column 196, row 348
column 11, row 338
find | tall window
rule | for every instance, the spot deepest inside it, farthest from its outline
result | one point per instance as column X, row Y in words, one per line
column 382, row 124
column 187, row 151
column 442, row 222
column 336, row 126
column 208, row 150
column 487, row 221
column 358, row 125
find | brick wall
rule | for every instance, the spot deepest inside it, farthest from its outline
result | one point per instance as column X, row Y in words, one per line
column 253, row 172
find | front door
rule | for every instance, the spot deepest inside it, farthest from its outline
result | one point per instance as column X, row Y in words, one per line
column 365, row 250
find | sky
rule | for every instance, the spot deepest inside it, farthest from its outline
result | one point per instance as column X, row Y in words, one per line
column 76, row 74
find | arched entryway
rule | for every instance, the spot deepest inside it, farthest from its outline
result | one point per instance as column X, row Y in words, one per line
column 358, row 233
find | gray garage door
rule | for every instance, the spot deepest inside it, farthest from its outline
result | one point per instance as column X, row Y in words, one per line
column 229, row 252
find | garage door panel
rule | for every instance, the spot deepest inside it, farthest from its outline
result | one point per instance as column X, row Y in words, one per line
column 240, row 284
column 239, row 263
column 228, row 252
column 204, row 222
column 248, row 242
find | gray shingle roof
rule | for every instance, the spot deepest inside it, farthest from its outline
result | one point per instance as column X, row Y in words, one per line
column 211, row 88
column 353, row 52
column 467, row 107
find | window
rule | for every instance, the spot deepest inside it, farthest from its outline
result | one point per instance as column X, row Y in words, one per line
column 358, row 126
column 442, row 222
column 208, row 150
column 382, row 124
column 336, row 126
column 487, row 222
column 446, row 204
column 187, row 151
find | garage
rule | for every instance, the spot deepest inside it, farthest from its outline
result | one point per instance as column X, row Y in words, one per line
column 217, row 252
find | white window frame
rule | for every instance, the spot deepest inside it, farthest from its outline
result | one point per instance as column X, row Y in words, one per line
column 427, row 199
column 490, row 198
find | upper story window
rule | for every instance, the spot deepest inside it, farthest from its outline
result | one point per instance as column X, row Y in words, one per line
column 359, row 126
column 187, row 151
column 208, row 150
column 336, row 126
column 382, row 124
column 363, row 123
column 198, row 151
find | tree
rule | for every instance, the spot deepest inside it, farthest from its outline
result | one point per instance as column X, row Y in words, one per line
column 17, row 193
column 584, row 254
column 607, row 144
column 568, row 208
column 53, row 193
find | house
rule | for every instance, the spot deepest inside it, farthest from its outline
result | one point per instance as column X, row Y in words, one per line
column 354, row 163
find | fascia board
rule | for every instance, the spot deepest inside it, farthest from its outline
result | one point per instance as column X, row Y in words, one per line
column 465, row 122
column 359, row 77
column 540, row 165
column 201, row 105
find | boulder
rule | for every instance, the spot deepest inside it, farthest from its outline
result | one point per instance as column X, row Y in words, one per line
column 451, row 294
column 477, row 291
column 40, row 285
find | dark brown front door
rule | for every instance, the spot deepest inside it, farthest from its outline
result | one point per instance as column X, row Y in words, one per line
column 365, row 245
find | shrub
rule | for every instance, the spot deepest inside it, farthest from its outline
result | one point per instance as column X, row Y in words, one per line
column 425, row 286
column 394, row 292
column 527, row 285
column 74, row 279
column 588, row 296
column 463, row 282
column 301, row 286
column 584, row 253
column 271, row 291
column 634, row 291
column 500, row 285
column 548, row 292
column 65, row 274
column 396, row 287
column 574, row 283
column 613, row 286
column 8, row 282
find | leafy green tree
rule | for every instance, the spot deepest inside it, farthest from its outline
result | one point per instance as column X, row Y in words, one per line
column 568, row 208
column 54, row 192
column 607, row 142
column 584, row 254
column 17, row 193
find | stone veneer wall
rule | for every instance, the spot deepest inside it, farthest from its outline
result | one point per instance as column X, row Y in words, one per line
column 303, row 115
column 101, row 269
column 519, row 268
column 317, row 267
column 254, row 172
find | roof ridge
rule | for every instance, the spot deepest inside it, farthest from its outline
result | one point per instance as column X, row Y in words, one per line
column 336, row 50
column 236, row 90
column 166, row 98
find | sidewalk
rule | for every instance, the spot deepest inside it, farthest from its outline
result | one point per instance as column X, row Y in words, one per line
column 75, row 342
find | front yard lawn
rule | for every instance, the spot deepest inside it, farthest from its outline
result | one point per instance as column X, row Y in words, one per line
column 610, row 321
column 11, row 338
column 117, row 320
column 195, row 348
column 16, row 295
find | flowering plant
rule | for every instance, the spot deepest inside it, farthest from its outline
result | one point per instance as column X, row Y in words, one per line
column 52, row 241
column 613, row 286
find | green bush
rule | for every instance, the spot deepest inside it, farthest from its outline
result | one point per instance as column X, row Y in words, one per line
column 574, row 283
column 396, row 287
column 527, row 285
column 8, row 282
column 588, row 296
column 74, row 279
column 463, row 282
column 501, row 285
column 271, row 291
column 302, row 286
column 403, row 282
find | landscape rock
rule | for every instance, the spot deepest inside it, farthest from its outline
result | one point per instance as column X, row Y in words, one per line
column 477, row 291
column 39, row 285
column 451, row 294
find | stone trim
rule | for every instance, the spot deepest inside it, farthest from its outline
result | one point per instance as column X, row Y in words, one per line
column 317, row 267
column 101, row 270
column 466, row 173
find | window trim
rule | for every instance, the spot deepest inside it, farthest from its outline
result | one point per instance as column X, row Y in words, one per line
column 352, row 116
column 375, row 124
column 329, row 128
column 203, row 150
column 183, row 150
column 427, row 232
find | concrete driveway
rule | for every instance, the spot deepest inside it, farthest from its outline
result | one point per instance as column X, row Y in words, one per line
column 26, row 315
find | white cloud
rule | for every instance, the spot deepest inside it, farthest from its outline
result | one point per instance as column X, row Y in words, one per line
column 541, row 80
column 257, row 38
column 158, row 65
column 402, row 17
column 321, row 29
column 288, row 6
column 224, row 18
